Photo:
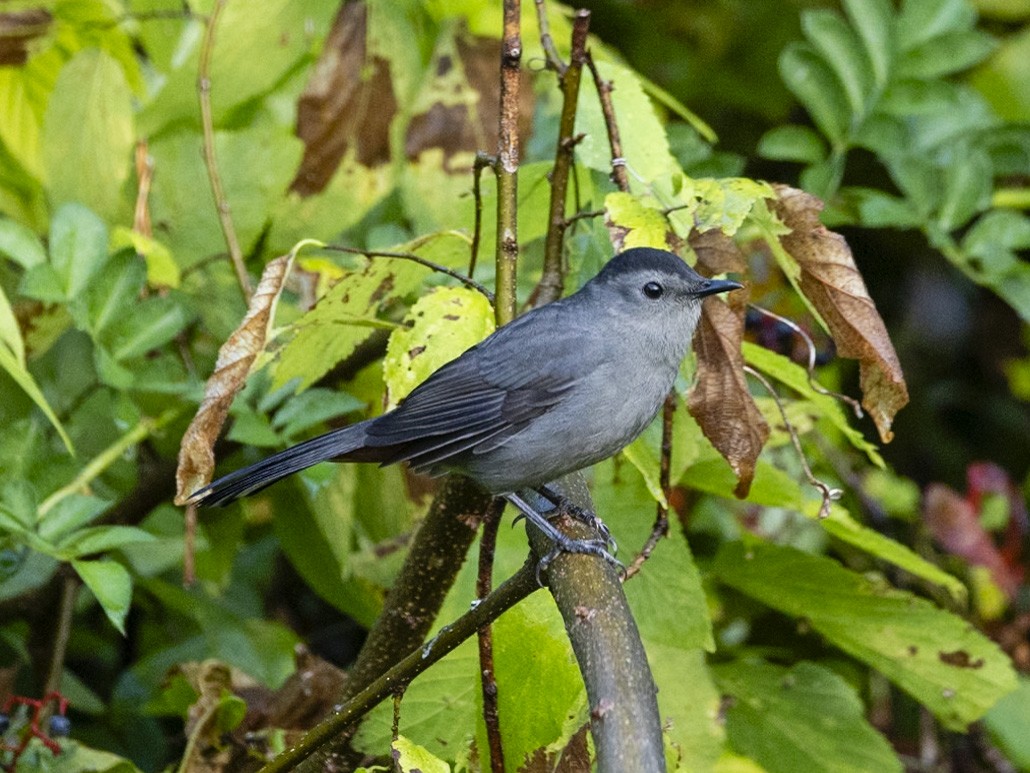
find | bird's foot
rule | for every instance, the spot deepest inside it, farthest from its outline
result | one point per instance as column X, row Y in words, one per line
column 563, row 543
column 565, row 506
column 590, row 547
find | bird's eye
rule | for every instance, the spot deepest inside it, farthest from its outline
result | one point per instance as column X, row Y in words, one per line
column 653, row 290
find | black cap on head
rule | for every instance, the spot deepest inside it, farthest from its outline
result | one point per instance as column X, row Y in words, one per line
column 647, row 258
column 640, row 259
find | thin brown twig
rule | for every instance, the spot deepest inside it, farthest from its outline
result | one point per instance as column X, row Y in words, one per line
column 414, row 259
column 484, row 584
column 483, row 161
column 210, row 158
column 584, row 216
column 554, row 61
column 508, row 163
column 660, row 528
column 189, row 551
column 604, row 93
column 829, row 494
column 552, row 280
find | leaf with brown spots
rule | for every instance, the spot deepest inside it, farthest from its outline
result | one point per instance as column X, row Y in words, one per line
column 820, row 265
column 720, row 400
column 196, row 453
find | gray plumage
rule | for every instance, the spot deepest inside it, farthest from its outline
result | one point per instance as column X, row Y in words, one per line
column 560, row 388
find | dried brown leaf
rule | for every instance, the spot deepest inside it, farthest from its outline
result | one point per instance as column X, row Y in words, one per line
column 196, row 453
column 720, row 400
column 716, row 252
column 831, row 282
column 347, row 103
column 460, row 115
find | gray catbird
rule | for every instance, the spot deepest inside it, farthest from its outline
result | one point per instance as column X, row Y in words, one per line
column 560, row 388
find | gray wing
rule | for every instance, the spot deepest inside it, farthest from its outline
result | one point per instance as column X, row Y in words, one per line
column 485, row 396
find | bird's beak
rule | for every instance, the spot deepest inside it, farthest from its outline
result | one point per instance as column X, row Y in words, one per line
column 713, row 286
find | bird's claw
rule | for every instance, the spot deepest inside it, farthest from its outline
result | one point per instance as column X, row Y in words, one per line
column 591, row 547
column 564, row 506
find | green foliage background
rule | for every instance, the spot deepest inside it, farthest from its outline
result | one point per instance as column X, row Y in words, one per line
column 778, row 642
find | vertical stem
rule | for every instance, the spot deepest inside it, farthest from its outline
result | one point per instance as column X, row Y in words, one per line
column 508, row 163
column 69, row 590
column 210, row 159
column 552, row 281
column 483, row 161
column 604, row 92
column 484, row 583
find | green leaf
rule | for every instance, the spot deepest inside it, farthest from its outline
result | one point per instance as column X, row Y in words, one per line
column 348, row 314
column 877, row 209
column 727, row 202
column 644, row 143
column 69, row 514
column 20, row 244
column 162, row 270
column 76, row 757
column 78, row 247
column 1006, row 723
column 946, row 54
column 994, row 239
column 794, row 376
column 439, row 327
column 154, row 323
column 801, row 718
column 181, row 194
column 906, row 97
column 792, row 143
column 88, row 133
column 439, row 707
column 968, row 181
column 668, row 600
column 111, row 294
column 412, row 758
column 874, row 22
column 311, row 408
column 812, row 81
column 21, row 376
column 101, row 539
column 937, row 657
column 111, row 583
column 688, row 702
column 645, row 225
column 918, row 180
column 842, row 50
column 921, row 21
column 824, row 178
column 317, row 533
column 537, row 678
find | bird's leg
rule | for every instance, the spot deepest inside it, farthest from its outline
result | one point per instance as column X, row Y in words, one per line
column 562, row 543
column 567, row 507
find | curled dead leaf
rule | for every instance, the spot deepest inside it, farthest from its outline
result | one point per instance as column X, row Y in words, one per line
column 196, row 453
column 720, row 400
column 830, row 281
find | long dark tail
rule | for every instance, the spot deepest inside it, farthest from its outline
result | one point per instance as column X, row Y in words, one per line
column 343, row 442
